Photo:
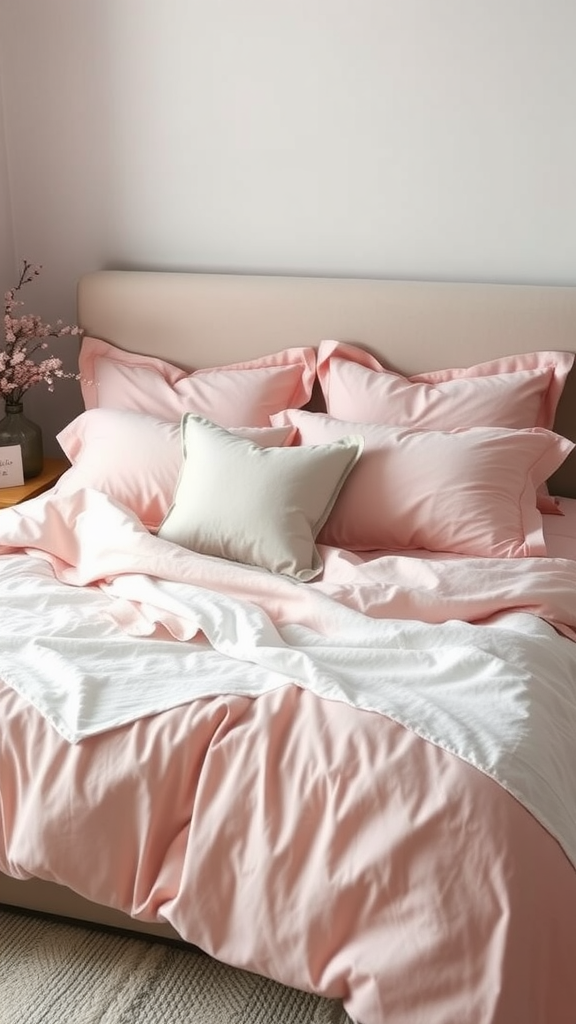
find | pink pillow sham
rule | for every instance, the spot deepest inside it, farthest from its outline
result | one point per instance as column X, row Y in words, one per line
column 237, row 395
column 135, row 458
column 515, row 391
column 468, row 492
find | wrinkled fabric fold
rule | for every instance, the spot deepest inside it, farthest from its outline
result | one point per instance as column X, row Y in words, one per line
column 304, row 801
column 492, row 683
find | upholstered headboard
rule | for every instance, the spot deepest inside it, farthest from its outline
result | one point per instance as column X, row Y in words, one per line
column 199, row 320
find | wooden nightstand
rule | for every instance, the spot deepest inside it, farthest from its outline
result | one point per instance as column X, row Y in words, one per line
column 52, row 471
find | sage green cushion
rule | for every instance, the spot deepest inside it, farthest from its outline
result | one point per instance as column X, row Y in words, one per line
column 259, row 506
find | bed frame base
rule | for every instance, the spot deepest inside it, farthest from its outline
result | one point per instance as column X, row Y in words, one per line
column 58, row 901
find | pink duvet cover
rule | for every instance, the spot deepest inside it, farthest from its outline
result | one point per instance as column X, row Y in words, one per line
column 324, row 847
column 319, row 844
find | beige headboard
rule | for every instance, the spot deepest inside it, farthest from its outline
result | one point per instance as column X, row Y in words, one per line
column 199, row 320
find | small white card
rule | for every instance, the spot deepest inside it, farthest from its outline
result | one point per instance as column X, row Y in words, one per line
column 11, row 472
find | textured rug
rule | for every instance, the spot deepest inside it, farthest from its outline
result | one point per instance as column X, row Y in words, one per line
column 60, row 973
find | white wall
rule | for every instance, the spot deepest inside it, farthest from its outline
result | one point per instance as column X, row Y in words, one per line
column 7, row 265
column 403, row 138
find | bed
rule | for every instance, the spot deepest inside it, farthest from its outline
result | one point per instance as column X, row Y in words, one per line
column 287, row 658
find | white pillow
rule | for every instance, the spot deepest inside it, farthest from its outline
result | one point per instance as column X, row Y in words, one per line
column 262, row 507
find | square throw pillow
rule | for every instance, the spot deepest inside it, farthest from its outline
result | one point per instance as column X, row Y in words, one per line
column 261, row 507
column 135, row 458
column 468, row 492
column 238, row 395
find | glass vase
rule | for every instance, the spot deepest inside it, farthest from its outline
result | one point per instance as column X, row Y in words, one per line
column 16, row 428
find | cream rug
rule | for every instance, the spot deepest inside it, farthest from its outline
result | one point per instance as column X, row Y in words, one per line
column 59, row 973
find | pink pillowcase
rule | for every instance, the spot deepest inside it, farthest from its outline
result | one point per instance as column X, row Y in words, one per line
column 468, row 492
column 237, row 395
column 515, row 391
column 135, row 458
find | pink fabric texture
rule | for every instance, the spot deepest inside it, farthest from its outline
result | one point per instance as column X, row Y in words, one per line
column 135, row 458
column 372, row 865
column 325, row 847
column 514, row 391
column 88, row 539
column 237, row 395
column 470, row 492
column 560, row 530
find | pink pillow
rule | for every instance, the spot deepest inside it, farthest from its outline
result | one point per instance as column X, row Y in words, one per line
column 238, row 395
column 135, row 458
column 469, row 492
column 515, row 391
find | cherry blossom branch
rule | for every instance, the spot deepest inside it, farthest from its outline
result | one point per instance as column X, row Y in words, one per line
column 24, row 336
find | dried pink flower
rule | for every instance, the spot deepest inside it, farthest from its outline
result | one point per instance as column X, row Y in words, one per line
column 24, row 335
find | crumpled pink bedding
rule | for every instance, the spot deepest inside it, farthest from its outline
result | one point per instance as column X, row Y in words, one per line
column 322, row 846
column 88, row 539
column 314, row 842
